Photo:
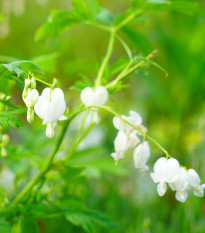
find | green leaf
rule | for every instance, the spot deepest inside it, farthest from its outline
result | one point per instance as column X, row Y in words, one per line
column 137, row 40
column 7, row 118
column 20, row 69
column 188, row 7
column 59, row 22
column 5, row 227
column 79, row 215
column 8, row 69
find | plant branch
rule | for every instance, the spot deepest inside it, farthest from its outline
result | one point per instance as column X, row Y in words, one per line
column 106, row 58
column 48, row 163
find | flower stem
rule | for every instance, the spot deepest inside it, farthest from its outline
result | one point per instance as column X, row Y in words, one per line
column 106, row 58
column 48, row 163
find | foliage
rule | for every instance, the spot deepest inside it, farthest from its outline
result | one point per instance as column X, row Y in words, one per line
column 70, row 182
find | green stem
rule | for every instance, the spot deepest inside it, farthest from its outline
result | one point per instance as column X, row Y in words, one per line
column 108, row 109
column 48, row 163
column 39, row 80
column 106, row 58
column 75, row 145
column 128, row 19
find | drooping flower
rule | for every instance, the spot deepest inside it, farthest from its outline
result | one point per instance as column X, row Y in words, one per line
column 121, row 146
column 30, row 97
column 180, row 185
column 50, row 108
column 134, row 118
column 194, row 181
column 97, row 96
column 140, row 156
column 165, row 170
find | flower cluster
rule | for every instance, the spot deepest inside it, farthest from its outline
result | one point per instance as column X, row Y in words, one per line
column 50, row 106
column 169, row 171
column 129, row 129
column 97, row 96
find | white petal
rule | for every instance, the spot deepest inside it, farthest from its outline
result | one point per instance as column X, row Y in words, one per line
column 101, row 95
column 199, row 191
column 31, row 98
column 172, row 169
column 118, row 123
column 57, row 93
column 133, row 139
column 50, row 132
column 47, row 93
column 87, row 96
column 160, row 169
column 121, row 142
column 161, row 188
column 193, row 178
column 55, row 110
column 41, row 107
column 181, row 196
column 141, row 154
column 62, row 118
column 179, row 183
column 136, row 118
column 117, row 156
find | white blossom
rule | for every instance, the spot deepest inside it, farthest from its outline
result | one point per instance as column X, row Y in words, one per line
column 194, row 183
column 97, row 96
column 30, row 100
column 140, row 156
column 121, row 145
column 165, row 170
column 134, row 118
column 51, row 107
column 180, row 185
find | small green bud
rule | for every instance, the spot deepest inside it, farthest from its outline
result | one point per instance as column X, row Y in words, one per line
column 33, row 83
column 27, row 83
column 25, row 92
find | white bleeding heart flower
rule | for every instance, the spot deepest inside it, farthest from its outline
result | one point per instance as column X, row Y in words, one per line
column 97, row 96
column 180, row 185
column 121, row 146
column 140, row 156
column 30, row 100
column 134, row 118
column 165, row 170
column 51, row 107
column 194, row 183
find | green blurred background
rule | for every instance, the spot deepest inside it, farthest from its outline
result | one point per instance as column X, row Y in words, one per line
column 172, row 108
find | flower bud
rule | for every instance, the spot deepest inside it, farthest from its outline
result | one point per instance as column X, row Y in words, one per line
column 32, row 98
column 27, row 83
column 33, row 83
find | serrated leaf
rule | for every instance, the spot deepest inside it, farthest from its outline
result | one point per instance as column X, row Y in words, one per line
column 7, row 118
column 79, row 215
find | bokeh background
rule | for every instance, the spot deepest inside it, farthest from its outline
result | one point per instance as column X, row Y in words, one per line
column 172, row 107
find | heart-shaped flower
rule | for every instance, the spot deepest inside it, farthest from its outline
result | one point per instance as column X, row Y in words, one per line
column 50, row 108
column 97, row 96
